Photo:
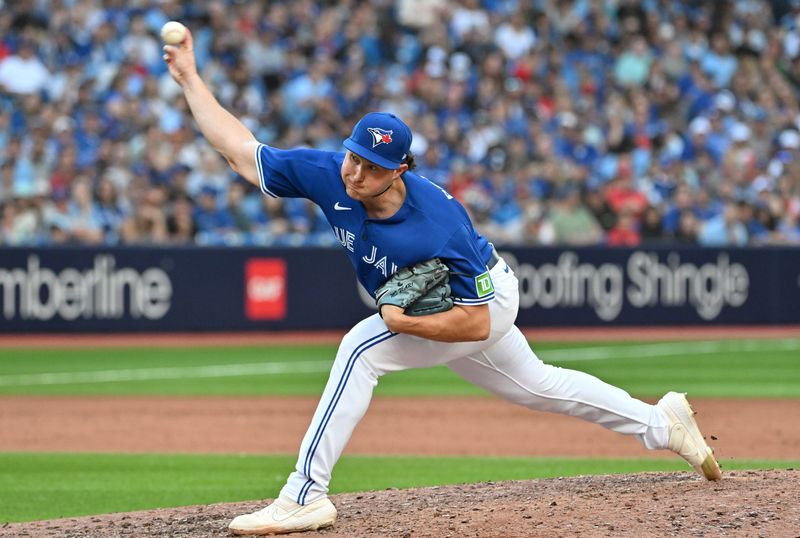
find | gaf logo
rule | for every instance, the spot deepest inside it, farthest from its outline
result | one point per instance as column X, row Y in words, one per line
column 265, row 289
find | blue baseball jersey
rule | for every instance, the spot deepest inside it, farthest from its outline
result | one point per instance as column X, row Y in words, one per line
column 430, row 223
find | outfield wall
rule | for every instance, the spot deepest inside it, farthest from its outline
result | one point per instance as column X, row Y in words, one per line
column 186, row 289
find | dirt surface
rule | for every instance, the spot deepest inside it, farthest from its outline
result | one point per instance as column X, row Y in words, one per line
column 744, row 503
column 427, row 426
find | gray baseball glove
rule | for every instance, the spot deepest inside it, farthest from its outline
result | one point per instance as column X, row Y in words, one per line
column 436, row 300
column 424, row 283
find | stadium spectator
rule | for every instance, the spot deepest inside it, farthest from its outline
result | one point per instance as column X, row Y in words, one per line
column 724, row 230
column 6, row 180
column 514, row 37
column 573, row 223
column 621, row 194
column 719, row 62
column 109, row 212
column 596, row 202
column 209, row 216
column 181, row 228
column 469, row 17
column 56, row 217
column 651, row 229
column 271, row 222
column 23, row 73
column 789, row 229
column 85, row 223
column 420, row 14
column 146, row 224
column 687, row 228
column 633, row 66
column 625, row 232
column 19, row 224
column 210, row 172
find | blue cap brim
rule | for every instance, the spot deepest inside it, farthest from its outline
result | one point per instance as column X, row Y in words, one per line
column 370, row 155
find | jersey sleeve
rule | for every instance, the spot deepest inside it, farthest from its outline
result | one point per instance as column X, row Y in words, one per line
column 470, row 282
column 289, row 173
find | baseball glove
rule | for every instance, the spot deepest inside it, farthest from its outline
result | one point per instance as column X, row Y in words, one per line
column 419, row 290
column 436, row 300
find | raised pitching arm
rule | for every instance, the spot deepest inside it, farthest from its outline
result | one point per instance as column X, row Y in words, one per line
column 223, row 130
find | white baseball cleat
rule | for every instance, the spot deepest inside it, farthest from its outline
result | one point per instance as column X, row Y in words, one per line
column 284, row 516
column 685, row 438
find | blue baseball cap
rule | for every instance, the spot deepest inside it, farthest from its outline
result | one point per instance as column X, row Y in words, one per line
column 382, row 138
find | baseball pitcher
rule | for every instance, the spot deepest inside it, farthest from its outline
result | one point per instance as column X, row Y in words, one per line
column 444, row 297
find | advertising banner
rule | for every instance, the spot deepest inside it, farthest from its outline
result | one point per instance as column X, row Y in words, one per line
column 210, row 289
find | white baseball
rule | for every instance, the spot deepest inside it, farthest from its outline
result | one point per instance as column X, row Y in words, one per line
column 173, row 33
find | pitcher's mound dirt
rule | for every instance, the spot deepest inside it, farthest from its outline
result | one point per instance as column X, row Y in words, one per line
column 744, row 503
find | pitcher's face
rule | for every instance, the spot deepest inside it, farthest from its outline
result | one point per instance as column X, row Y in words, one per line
column 364, row 179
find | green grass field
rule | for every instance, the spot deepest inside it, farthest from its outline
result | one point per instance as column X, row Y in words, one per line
column 721, row 368
column 43, row 486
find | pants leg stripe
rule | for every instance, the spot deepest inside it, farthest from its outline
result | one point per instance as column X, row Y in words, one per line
column 336, row 395
column 304, row 490
column 357, row 352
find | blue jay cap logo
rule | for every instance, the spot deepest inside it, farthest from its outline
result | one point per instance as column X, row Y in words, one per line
column 379, row 136
column 382, row 138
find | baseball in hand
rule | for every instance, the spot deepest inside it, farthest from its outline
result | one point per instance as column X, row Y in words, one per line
column 173, row 33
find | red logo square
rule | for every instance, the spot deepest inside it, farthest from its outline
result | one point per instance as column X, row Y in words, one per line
column 265, row 288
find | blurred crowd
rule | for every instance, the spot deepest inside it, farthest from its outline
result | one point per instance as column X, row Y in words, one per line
column 617, row 122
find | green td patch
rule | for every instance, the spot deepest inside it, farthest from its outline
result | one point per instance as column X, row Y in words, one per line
column 483, row 284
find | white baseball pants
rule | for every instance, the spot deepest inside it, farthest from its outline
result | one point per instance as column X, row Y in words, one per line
column 504, row 365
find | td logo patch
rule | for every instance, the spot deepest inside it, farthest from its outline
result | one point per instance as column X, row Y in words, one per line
column 483, row 284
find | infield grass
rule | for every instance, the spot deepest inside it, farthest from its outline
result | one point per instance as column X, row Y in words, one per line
column 46, row 486
column 714, row 368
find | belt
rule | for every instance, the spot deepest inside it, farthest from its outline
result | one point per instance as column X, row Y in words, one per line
column 494, row 257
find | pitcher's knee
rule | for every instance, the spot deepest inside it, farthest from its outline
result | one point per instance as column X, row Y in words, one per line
column 355, row 348
column 354, row 343
column 350, row 342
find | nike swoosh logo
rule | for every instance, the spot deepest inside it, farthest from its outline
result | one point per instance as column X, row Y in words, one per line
column 286, row 514
column 338, row 207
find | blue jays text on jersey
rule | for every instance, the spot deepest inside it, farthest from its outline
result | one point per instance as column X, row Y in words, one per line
column 430, row 223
